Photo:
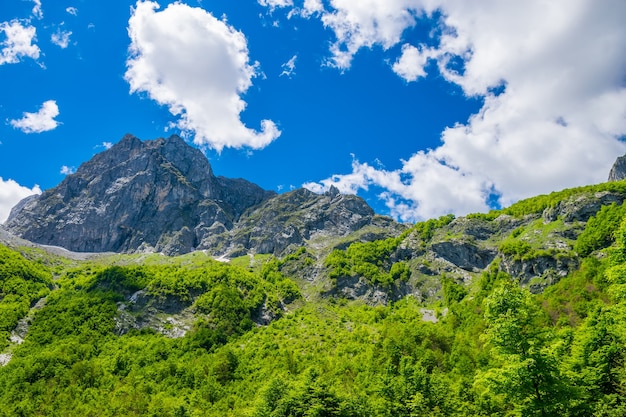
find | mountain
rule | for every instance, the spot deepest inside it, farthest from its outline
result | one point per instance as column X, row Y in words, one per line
column 288, row 221
column 161, row 195
column 324, row 308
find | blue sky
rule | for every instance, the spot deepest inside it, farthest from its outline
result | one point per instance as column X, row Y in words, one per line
column 423, row 107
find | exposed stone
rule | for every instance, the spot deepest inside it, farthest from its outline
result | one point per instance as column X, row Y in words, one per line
column 288, row 221
column 464, row 255
column 482, row 230
column 162, row 196
column 618, row 171
column 136, row 194
column 353, row 288
column 544, row 269
column 5, row 358
column 429, row 315
column 580, row 208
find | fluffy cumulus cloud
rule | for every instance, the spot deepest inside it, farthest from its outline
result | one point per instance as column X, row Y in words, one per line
column 18, row 42
column 366, row 23
column 311, row 7
column 411, row 63
column 42, row 121
column 198, row 66
column 10, row 194
column 72, row 10
column 308, row 8
column 551, row 76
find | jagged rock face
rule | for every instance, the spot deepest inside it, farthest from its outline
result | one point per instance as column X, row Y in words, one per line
column 618, row 171
column 162, row 195
column 581, row 208
column 464, row 255
column 158, row 194
column 550, row 269
column 291, row 219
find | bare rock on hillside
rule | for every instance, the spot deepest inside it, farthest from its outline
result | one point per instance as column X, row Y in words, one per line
column 162, row 196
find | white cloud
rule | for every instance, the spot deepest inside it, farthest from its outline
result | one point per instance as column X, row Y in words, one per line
column 556, row 124
column 107, row 145
column 308, row 9
column 273, row 4
column 37, row 12
column 65, row 170
column 42, row 121
column 18, row 43
column 312, row 7
column 198, row 66
column 411, row 63
column 365, row 23
column 72, row 10
column 61, row 38
column 12, row 193
column 289, row 67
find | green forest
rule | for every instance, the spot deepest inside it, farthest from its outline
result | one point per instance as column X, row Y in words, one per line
column 258, row 343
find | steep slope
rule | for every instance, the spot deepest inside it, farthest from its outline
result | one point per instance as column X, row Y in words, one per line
column 618, row 171
column 536, row 241
column 162, row 195
column 146, row 334
column 153, row 195
column 300, row 217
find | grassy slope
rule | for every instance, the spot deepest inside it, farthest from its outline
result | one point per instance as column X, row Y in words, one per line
column 328, row 356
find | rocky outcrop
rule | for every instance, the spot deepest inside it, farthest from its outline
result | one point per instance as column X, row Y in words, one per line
column 540, row 271
column 580, row 208
column 464, row 255
column 291, row 219
column 618, row 171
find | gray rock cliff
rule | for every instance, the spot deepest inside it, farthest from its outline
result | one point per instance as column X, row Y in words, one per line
column 293, row 219
column 161, row 195
column 158, row 195
column 618, row 171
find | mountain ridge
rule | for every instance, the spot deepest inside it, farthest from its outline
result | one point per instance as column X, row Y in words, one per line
column 516, row 311
column 162, row 196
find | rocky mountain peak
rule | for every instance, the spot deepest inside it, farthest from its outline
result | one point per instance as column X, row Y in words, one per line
column 161, row 195
column 131, row 155
column 157, row 194
column 618, row 171
column 332, row 191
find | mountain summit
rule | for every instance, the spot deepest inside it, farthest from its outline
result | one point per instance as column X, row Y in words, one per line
column 161, row 195
column 618, row 171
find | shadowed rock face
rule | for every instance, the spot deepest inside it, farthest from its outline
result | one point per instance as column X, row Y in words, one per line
column 289, row 220
column 464, row 255
column 161, row 195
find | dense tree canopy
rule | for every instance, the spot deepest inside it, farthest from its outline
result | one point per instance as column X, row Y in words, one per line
column 254, row 347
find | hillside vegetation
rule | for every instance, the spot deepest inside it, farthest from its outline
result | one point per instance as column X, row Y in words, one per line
column 518, row 312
